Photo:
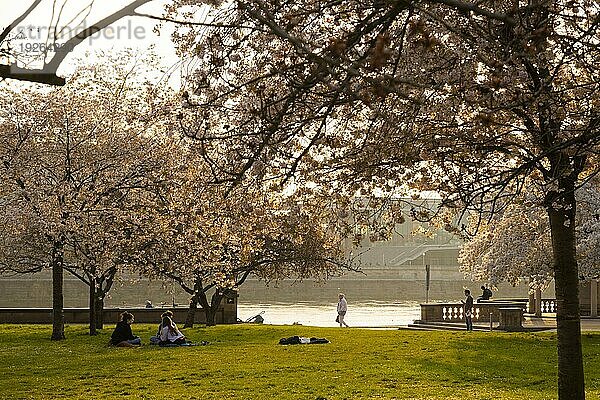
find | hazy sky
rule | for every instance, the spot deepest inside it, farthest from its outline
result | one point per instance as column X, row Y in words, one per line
column 73, row 15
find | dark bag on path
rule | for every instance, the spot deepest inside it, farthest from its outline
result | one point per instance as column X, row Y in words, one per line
column 337, row 319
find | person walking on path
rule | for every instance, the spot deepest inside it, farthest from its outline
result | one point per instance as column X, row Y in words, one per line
column 122, row 335
column 342, row 307
column 468, row 309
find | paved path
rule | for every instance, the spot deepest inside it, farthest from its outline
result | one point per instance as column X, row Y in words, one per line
column 587, row 324
column 546, row 323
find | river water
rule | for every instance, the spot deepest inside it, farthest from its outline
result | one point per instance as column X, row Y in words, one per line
column 363, row 314
column 371, row 302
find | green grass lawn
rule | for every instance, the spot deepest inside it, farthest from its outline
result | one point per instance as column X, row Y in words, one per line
column 246, row 362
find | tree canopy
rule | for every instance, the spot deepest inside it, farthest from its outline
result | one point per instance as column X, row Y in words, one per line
column 73, row 162
column 515, row 244
column 209, row 238
column 470, row 100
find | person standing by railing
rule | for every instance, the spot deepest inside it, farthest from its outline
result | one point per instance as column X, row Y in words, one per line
column 468, row 309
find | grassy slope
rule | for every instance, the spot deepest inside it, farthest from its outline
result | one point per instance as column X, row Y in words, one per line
column 245, row 362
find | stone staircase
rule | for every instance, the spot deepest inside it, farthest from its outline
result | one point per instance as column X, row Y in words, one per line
column 454, row 326
column 445, row 326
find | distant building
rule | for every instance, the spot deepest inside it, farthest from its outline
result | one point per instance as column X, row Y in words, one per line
column 407, row 252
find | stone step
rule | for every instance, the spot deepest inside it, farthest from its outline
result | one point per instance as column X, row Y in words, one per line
column 458, row 324
column 413, row 327
column 433, row 326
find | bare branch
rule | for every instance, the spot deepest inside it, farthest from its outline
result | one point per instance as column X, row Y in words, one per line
column 47, row 74
column 17, row 21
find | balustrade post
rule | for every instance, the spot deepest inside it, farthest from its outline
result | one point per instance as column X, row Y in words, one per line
column 531, row 303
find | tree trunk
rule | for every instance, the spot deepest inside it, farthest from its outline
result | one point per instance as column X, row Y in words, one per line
column 103, row 289
column 210, row 316
column 189, row 320
column 58, row 317
column 211, row 311
column 100, row 310
column 92, row 306
column 570, row 360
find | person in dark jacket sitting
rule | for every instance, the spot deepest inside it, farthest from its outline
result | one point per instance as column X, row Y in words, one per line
column 486, row 295
column 122, row 336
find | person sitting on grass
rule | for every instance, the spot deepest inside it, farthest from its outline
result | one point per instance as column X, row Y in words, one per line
column 169, row 333
column 156, row 338
column 122, row 336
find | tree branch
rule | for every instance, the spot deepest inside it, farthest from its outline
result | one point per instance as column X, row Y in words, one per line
column 470, row 7
column 17, row 21
column 47, row 74
column 81, row 36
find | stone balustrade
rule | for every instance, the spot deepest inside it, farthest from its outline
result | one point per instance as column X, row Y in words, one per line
column 548, row 306
column 482, row 312
column 508, row 313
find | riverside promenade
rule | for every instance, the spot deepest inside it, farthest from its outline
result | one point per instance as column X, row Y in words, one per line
column 587, row 324
column 546, row 323
column 529, row 324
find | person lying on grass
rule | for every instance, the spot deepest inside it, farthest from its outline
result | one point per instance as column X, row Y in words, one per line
column 122, row 336
column 169, row 333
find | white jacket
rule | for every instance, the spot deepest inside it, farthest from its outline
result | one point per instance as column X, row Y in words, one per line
column 342, row 306
column 167, row 336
